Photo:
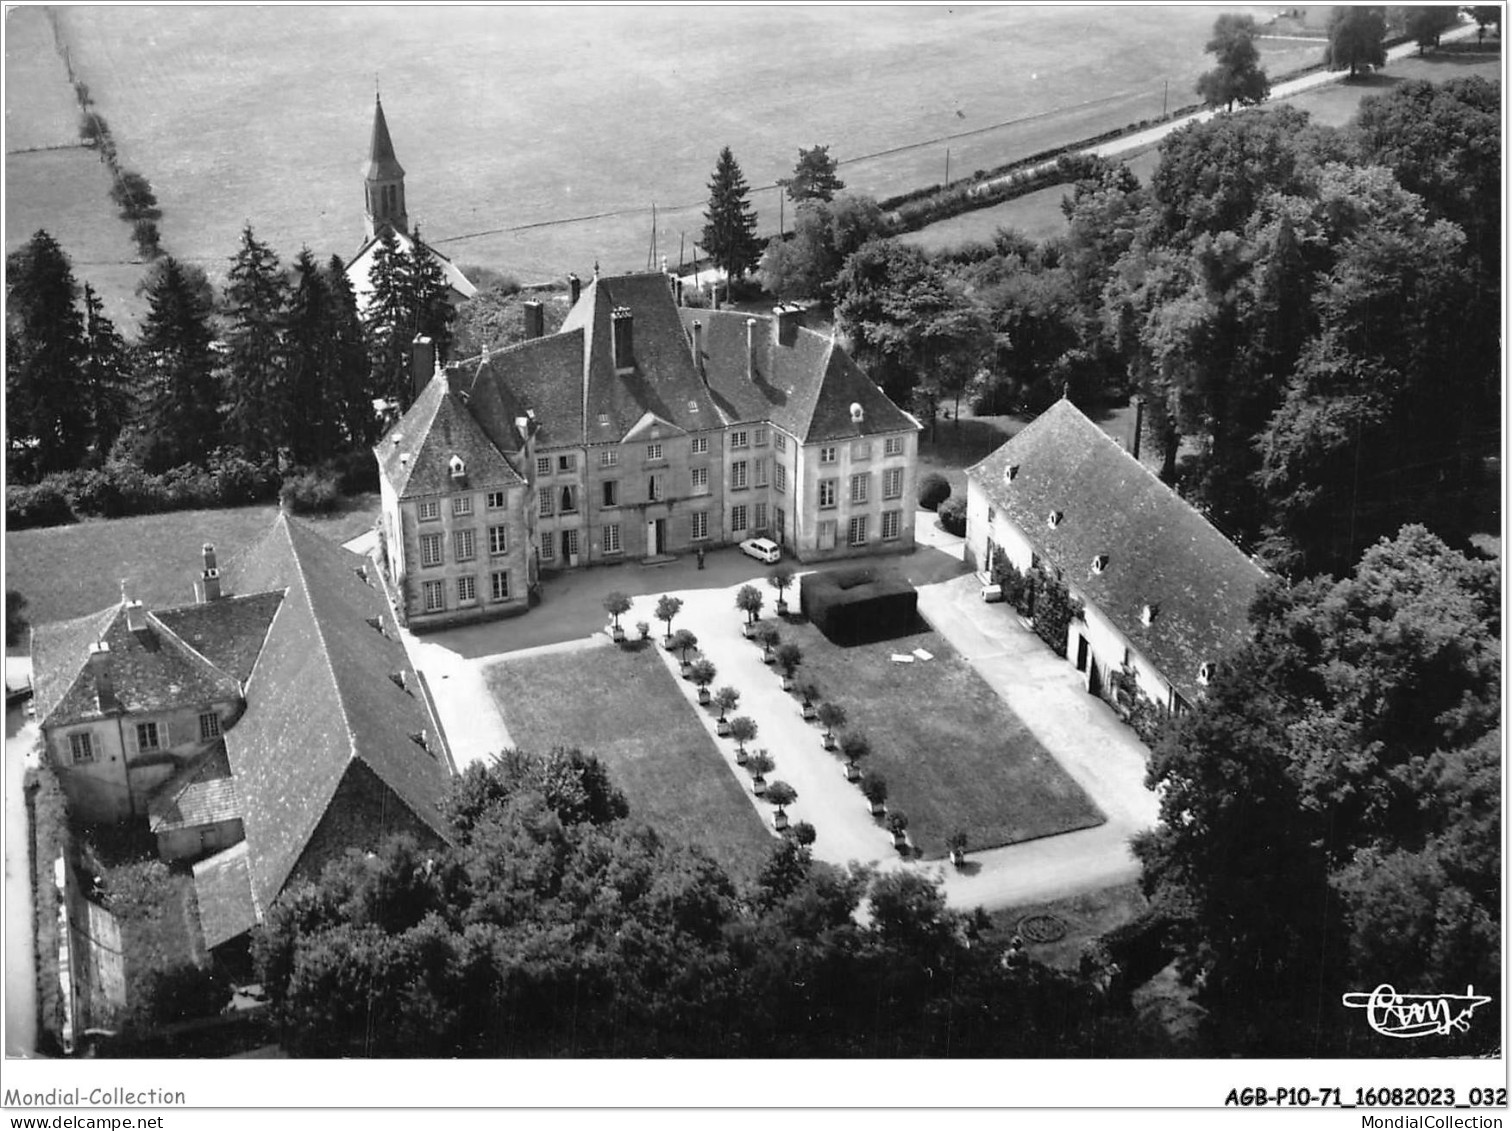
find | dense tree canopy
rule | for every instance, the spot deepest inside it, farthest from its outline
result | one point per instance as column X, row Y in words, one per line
column 255, row 371
column 825, row 233
column 558, row 926
column 47, row 419
column 1328, row 812
column 178, row 369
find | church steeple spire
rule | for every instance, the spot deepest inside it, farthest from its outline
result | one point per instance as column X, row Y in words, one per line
column 384, row 179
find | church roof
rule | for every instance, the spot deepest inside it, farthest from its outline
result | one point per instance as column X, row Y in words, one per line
column 360, row 269
column 381, row 165
column 1159, row 550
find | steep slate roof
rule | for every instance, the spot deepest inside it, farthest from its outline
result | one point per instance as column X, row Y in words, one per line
column 228, row 632
column 382, row 164
column 200, row 794
column 223, row 890
column 150, row 670
column 416, row 454
column 360, row 269
column 1160, row 550
column 664, row 382
column 321, row 699
column 805, row 388
column 543, row 376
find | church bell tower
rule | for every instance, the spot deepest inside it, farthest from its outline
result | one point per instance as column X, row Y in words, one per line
column 383, row 179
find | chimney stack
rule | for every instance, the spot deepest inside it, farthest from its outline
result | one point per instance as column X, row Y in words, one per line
column 136, row 617
column 535, row 320
column 698, row 354
column 574, row 289
column 1138, row 425
column 623, row 325
column 750, row 349
column 208, row 587
column 422, row 363
column 786, row 319
column 99, row 669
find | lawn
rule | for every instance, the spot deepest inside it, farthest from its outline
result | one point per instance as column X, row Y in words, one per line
column 1036, row 215
column 69, row 571
column 954, row 755
column 627, row 709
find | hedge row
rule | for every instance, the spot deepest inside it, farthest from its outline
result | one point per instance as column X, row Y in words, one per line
column 121, row 489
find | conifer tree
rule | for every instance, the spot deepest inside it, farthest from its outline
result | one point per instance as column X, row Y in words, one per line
column 346, row 359
column 387, row 322
column 255, row 363
column 431, row 297
column 310, row 411
column 177, row 368
column 108, row 378
column 814, row 176
column 47, row 425
column 729, row 235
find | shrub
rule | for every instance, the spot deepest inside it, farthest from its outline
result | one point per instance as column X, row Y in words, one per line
column 179, row 993
column 934, row 489
column 239, row 481
column 40, row 504
column 356, row 472
column 133, row 195
column 851, row 606
column 312, row 492
column 804, row 833
column 953, row 516
column 148, row 239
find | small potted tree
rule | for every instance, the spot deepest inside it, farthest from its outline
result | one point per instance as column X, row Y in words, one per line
column 666, row 608
column 644, row 628
column 855, row 746
column 748, row 600
column 682, row 643
column 789, row 657
column 803, row 833
column 742, row 730
column 874, row 789
column 897, row 824
column 703, row 675
column 957, row 846
column 759, row 765
column 831, row 715
column 779, row 579
column 726, row 699
column 780, row 794
column 617, row 604
column 767, row 635
column 809, row 693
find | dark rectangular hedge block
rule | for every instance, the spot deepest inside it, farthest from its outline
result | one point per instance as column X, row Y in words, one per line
column 853, row 605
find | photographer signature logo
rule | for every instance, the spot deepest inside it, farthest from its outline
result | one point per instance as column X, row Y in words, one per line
column 1416, row 1015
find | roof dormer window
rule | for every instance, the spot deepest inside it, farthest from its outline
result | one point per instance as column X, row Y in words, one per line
column 1205, row 672
column 1054, row 519
column 1148, row 614
column 692, row 406
column 458, row 468
column 603, row 420
column 1099, row 563
column 1010, row 473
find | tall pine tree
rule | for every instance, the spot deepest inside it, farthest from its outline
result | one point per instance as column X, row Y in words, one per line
column 431, row 297
column 347, row 359
column 183, row 408
column 386, row 322
column 729, row 234
column 48, row 420
column 255, row 363
column 108, row 380
column 307, row 381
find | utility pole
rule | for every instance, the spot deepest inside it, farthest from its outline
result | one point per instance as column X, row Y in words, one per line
column 1165, row 100
column 947, row 166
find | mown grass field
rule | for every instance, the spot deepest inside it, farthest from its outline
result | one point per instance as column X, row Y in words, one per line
column 69, row 571
column 521, row 116
column 954, row 755
column 626, row 708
